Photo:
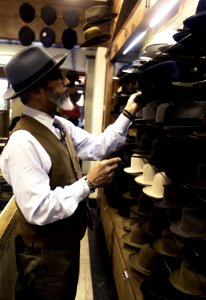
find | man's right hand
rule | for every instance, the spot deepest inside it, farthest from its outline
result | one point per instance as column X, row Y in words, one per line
column 101, row 172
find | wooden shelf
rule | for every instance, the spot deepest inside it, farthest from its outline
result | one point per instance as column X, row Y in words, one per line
column 126, row 278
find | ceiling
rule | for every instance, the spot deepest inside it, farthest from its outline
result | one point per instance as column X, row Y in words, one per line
column 11, row 23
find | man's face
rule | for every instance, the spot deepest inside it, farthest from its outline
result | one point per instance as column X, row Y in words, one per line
column 58, row 92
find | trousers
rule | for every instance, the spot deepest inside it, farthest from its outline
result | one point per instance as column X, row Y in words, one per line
column 46, row 274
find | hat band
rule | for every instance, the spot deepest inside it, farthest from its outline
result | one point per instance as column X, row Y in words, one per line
column 39, row 74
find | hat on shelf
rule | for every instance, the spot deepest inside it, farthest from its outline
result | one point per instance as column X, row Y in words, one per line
column 130, row 221
column 198, row 186
column 158, row 287
column 190, row 278
column 135, row 238
column 71, row 18
column 156, row 190
column 149, row 111
column 145, row 261
column 159, row 75
column 69, row 38
column 169, row 245
column 192, row 224
column 97, row 15
column 154, row 224
column 136, row 165
column 147, row 177
column 26, row 35
column 154, row 49
column 94, row 37
column 27, row 67
column 47, row 37
column 144, row 207
column 175, row 196
column 48, row 14
column 27, row 12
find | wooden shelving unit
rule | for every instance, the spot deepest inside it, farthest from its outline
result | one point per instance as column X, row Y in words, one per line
column 127, row 280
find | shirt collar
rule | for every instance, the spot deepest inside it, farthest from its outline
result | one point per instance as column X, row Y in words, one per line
column 40, row 116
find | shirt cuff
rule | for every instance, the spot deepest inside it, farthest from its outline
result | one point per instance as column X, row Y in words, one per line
column 122, row 124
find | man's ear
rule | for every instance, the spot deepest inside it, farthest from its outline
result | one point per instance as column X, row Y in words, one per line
column 37, row 92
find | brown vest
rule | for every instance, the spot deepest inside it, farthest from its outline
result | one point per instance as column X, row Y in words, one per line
column 61, row 232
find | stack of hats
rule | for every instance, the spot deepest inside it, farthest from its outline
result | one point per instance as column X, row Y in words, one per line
column 95, row 16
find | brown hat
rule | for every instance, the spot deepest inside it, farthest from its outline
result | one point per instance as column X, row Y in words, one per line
column 145, row 261
column 168, row 245
column 93, row 37
column 98, row 14
column 135, row 238
column 190, row 278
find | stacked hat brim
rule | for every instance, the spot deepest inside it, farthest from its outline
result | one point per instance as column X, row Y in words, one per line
column 95, row 41
column 97, row 20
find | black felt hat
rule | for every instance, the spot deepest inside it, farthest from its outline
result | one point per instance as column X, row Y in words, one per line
column 26, row 35
column 27, row 12
column 69, row 38
column 47, row 36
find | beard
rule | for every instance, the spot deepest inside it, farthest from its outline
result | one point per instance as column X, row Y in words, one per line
column 63, row 101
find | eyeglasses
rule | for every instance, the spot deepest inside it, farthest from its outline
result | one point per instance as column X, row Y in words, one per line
column 56, row 75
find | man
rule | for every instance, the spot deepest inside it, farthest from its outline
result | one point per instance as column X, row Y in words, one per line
column 44, row 173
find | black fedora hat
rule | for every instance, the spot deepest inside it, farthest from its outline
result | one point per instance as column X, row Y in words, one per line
column 98, row 14
column 26, row 35
column 27, row 67
column 47, row 37
column 93, row 37
column 159, row 75
column 69, row 38
column 48, row 14
column 27, row 12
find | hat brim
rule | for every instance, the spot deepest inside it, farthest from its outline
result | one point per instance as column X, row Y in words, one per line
column 129, row 170
column 148, row 190
column 175, row 279
column 99, row 20
column 126, row 240
column 133, row 257
column 158, row 247
column 176, row 229
column 96, row 40
column 140, row 180
column 11, row 93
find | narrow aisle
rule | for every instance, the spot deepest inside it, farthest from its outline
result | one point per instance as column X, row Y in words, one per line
column 85, row 289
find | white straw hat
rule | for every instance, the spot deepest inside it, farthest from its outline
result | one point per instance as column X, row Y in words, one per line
column 156, row 190
column 146, row 178
column 136, row 164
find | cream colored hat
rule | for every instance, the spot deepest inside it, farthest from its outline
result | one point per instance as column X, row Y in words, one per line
column 136, row 164
column 156, row 190
column 146, row 178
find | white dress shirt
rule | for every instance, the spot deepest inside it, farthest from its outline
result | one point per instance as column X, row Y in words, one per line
column 25, row 165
